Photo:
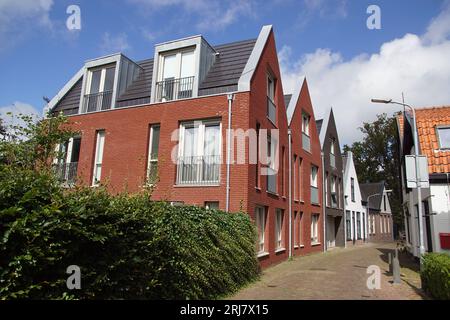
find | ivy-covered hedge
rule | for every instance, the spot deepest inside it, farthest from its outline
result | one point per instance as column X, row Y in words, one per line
column 127, row 246
column 436, row 275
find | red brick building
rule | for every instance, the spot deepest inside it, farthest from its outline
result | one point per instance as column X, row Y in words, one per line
column 165, row 121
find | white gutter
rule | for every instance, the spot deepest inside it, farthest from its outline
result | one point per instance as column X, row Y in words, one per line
column 290, row 190
column 230, row 97
column 324, row 204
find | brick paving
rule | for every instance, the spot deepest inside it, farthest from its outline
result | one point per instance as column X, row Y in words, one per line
column 337, row 274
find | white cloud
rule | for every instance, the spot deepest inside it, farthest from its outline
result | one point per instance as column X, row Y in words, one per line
column 208, row 14
column 16, row 109
column 18, row 17
column 114, row 43
column 417, row 65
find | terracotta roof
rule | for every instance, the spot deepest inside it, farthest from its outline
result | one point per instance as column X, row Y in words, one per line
column 427, row 120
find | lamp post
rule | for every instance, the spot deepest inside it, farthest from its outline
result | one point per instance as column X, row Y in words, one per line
column 419, row 191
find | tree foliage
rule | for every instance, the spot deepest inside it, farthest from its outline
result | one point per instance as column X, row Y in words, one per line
column 376, row 158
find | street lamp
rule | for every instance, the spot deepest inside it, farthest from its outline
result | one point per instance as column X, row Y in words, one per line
column 419, row 191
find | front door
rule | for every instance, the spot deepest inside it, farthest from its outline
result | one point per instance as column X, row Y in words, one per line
column 331, row 232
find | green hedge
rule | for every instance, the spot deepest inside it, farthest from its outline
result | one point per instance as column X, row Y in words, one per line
column 127, row 246
column 436, row 275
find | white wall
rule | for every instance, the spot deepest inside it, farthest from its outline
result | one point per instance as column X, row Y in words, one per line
column 440, row 220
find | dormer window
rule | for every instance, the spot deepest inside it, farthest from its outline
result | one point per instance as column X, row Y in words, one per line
column 99, row 88
column 444, row 137
column 176, row 76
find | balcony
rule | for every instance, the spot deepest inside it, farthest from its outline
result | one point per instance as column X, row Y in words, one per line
column 174, row 89
column 332, row 160
column 314, row 195
column 198, row 170
column 97, row 101
column 66, row 172
column 306, row 142
column 271, row 111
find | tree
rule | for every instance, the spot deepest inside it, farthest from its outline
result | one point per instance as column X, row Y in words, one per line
column 376, row 158
column 2, row 128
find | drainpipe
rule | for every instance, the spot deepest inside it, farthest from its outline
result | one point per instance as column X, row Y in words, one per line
column 230, row 97
column 290, row 190
column 324, row 204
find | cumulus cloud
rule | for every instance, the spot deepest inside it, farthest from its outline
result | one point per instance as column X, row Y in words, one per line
column 114, row 43
column 417, row 65
column 10, row 113
column 208, row 14
column 17, row 18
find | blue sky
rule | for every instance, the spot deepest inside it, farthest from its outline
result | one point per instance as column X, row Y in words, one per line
column 38, row 54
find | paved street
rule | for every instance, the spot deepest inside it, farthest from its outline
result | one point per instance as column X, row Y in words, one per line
column 338, row 274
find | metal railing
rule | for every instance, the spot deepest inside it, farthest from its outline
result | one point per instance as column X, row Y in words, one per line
column 174, row 89
column 332, row 160
column 314, row 195
column 66, row 172
column 198, row 170
column 271, row 110
column 97, row 101
column 306, row 142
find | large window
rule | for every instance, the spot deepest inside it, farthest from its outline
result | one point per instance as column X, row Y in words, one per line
column 279, row 222
column 333, row 153
column 65, row 164
column 300, row 189
column 98, row 158
column 271, row 108
column 295, row 179
column 300, row 228
column 327, row 201
column 444, row 137
column 272, row 146
column 153, row 150
column 176, row 76
column 99, row 88
column 334, row 197
column 315, row 229
column 296, row 229
column 260, row 213
column 199, row 154
column 306, row 140
column 358, row 225
column 348, row 225
column 314, row 185
column 352, row 187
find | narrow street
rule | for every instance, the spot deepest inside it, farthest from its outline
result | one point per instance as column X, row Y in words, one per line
column 337, row 274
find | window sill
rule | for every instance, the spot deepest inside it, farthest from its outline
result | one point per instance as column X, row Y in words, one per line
column 315, row 204
column 283, row 197
column 280, row 250
column 195, row 185
column 315, row 244
column 258, row 189
column 262, row 254
column 302, row 246
column 272, row 193
column 296, row 247
column 296, row 201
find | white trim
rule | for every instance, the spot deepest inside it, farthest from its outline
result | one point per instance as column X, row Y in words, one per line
column 253, row 60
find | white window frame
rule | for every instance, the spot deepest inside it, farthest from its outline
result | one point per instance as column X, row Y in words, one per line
column 260, row 217
column 279, row 222
column 314, row 178
column 178, row 62
column 98, row 160
column 314, row 229
column 150, row 147
column 306, row 121
column 103, row 68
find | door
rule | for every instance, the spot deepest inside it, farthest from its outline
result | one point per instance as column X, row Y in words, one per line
column 331, row 232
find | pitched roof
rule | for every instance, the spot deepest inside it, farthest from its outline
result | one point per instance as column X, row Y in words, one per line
column 427, row 121
column 287, row 99
column 371, row 188
column 319, row 125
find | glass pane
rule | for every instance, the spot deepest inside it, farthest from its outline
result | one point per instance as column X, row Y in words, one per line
column 154, row 143
column 109, row 79
column 100, row 144
column 75, row 150
column 95, row 81
column 444, row 137
column 187, row 64
column 170, row 67
column 212, row 138
column 190, row 141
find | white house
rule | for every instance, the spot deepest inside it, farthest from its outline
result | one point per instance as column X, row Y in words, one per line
column 355, row 213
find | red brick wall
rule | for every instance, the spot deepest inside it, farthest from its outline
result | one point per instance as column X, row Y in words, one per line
column 382, row 236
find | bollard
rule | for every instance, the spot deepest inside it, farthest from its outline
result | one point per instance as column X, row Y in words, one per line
column 396, row 268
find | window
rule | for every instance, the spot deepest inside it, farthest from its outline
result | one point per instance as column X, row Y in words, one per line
column 279, row 229
column 300, row 229
column 271, row 108
column 258, row 182
column 381, row 224
column 295, row 184
column 327, row 201
column 384, row 202
column 176, row 76
column 444, row 137
column 314, row 186
column 282, row 171
column 352, row 187
column 176, row 203
column 99, row 89
column 271, row 167
column 199, row 153
column 212, row 205
column 300, row 194
column 358, row 225
column 306, row 140
column 334, row 197
column 260, row 213
column 315, row 229
column 98, row 157
column 388, row 225
column 65, row 164
column 152, row 170
column 296, row 229
column 333, row 153
column 348, row 225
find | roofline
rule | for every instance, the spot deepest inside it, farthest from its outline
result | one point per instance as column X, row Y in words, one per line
column 181, row 39
column 323, row 129
column 253, row 60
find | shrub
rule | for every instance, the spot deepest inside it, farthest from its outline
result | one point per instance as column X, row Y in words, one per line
column 436, row 275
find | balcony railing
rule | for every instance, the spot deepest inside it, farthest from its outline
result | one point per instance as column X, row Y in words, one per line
column 66, row 172
column 314, row 195
column 271, row 111
column 174, row 89
column 306, row 142
column 332, row 160
column 198, row 170
column 97, row 101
